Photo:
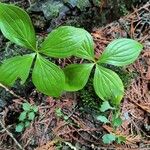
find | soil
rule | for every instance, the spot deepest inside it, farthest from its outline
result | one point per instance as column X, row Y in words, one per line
column 81, row 130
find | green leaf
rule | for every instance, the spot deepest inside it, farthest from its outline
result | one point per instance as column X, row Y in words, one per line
column 64, row 42
column 121, row 52
column 16, row 26
column 26, row 106
column 20, row 127
column 31, row 115
column 108, row 85
column 35, row 108
column 117, row 122
column 105, row 106
column 77, row 76
column 47, row 77
column 102, row 119
column 86, row 50
column 22, row 116
column 27, row 123
column 14, row 68
column 108, row 138
column 121, row 139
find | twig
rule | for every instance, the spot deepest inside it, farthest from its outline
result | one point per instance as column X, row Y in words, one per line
column 11, row 135
column 70, row 145
column 29, row 1
column 11, row 92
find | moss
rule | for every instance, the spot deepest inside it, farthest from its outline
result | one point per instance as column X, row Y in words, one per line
column 123, row 8
column 88, row 97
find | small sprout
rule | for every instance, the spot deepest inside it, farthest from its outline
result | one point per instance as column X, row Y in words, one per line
column 105, row 106
column 22, row 116
column 26, row 116
column 20, row 127
column 108, row 138
column 102, row 119
column 115, row 122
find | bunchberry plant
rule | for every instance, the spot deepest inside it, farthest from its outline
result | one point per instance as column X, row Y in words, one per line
column 48, row 78
column 107, row 84
column 63, row 42
column 28, row 115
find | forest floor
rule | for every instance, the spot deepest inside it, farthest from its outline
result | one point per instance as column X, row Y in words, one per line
column 51, row 130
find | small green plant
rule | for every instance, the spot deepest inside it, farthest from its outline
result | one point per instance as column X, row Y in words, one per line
column 115, row 122
column 47, row 77
column 88, row 98
column 25, row 118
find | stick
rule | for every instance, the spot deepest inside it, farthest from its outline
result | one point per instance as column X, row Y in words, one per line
column 11, row 92
column 11, row 135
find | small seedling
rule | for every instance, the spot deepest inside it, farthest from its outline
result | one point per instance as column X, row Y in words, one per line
column 28, row 115
column 115, row 122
